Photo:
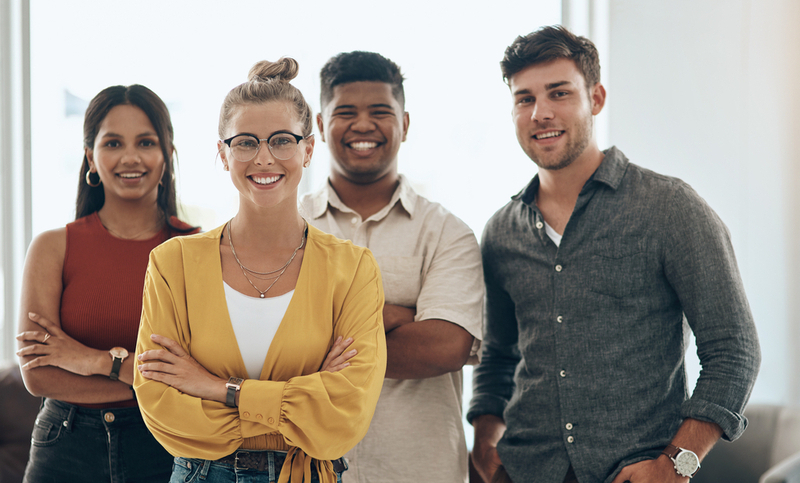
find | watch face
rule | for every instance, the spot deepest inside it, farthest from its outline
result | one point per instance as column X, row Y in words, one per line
column 686, row 463
column 120, row 352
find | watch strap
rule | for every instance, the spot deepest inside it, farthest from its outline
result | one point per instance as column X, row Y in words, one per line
column 115, row 366
column 233, row 385
column 671, row 451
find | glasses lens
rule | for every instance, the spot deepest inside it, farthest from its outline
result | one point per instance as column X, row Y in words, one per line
column 244, row 147
column 283, row 146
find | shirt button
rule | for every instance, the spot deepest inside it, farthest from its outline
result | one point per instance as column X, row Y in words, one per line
column 569, row 426
column 354, row 220
column 259, row 417
column 271, row 420
column 563, row 373
column 570, row 439
column 109, row 417
column 539, row 225
column 246, row 414
column 559, row 319
column 558, row 268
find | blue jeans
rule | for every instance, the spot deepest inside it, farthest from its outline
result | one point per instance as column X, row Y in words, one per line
column 188, row 470
column 75, row 444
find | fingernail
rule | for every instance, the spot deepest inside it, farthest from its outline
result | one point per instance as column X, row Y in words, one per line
column 338, row 339
column 353, row 352
column 152, row 336
column 349, row 339
column 31, row 315
column 139, row 357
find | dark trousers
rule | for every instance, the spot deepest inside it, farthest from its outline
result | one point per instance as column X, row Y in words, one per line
column 75, row 444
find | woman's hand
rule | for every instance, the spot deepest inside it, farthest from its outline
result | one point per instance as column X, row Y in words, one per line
column 337, row 357
column 175, row 367
column 55, row 348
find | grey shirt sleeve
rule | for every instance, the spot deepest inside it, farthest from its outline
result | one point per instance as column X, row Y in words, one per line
column 701, row 267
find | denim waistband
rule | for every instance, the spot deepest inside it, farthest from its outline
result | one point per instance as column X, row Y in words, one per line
column 70, row 415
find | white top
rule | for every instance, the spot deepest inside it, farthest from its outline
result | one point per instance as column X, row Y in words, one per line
column 430, row 260
column 255, row 321
column 554, row 235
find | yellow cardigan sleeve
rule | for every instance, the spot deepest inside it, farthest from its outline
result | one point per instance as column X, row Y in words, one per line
column 324, row 414
column 184, row 425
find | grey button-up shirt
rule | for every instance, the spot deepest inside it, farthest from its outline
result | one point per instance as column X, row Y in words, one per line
column 583, row 352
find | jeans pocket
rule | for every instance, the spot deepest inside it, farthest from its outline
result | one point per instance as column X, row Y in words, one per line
column 45, row 433
column 185, row 470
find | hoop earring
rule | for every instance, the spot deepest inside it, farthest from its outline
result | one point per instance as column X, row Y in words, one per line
column 89, row 181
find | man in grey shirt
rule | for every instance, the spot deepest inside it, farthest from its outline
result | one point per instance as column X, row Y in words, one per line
column 595, row 273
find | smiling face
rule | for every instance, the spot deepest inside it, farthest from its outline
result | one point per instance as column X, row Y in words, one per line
column 553, row 112
column 364, row 126
column 127, row 155
column 265, row 180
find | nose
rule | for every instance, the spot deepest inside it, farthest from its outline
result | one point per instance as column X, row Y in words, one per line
column 131, row 155
column 264, row 156
column 542, row 111
column 363, row 123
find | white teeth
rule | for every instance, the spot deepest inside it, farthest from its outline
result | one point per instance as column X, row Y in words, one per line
column 550, row 134
column 363, row 146
column 268, row 180
column 131, row 175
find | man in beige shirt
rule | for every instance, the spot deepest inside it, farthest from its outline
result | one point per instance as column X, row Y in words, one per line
column 431, row 267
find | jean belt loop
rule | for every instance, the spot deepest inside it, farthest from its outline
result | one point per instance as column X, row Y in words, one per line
column 204, row 469
column 70, row 418
column 271, row 459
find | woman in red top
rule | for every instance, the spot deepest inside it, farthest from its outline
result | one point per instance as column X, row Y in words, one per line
column 82, row 298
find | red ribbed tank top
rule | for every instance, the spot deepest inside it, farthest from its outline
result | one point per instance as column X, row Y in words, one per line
column 103, row 282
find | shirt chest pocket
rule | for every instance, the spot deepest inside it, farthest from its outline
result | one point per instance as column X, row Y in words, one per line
column 617, row 267
column 402, row 279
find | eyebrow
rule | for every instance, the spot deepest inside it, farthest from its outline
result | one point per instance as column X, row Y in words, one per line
column 550, row 86
column 371, row 106
column 115, row 135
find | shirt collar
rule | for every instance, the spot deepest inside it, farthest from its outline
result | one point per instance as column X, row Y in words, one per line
column 327, row 197
column 610, row 172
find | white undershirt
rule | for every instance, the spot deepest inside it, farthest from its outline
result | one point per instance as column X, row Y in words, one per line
column 552, row 234
column 255, row 321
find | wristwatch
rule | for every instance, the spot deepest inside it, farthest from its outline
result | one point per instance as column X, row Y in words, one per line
column 686, row 462
column 234, row 384
column 118, row 354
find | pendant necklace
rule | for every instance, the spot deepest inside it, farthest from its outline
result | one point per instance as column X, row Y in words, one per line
column 280, row 270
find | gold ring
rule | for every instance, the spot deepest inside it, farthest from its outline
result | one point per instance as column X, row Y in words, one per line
column 46, row 336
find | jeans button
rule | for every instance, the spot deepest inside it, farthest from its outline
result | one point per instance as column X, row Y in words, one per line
column 109, row 417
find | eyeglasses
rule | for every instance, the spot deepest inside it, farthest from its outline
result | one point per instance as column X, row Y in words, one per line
column 282, row 145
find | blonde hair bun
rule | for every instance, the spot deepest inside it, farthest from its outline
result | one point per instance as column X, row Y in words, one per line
column 285, row 69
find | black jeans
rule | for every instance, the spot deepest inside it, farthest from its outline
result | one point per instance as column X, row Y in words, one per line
column 75, row 444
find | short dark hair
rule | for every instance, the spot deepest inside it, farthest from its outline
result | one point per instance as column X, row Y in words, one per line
column 358, row 66
column 550, row 43
column 92, row 198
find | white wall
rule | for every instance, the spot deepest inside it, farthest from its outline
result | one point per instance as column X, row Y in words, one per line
column 705, row 91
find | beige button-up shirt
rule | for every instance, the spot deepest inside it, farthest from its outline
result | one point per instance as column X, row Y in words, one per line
column 429, row 259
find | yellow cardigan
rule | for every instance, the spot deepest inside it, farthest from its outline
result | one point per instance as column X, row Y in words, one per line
column 339, row 293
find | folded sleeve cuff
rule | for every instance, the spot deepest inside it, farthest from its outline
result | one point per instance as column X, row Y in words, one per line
column 732, row 424
column 481, row 405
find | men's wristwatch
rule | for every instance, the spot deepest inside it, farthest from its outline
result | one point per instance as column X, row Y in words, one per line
column 233, row 385
column 118, row 354
column 686, row 462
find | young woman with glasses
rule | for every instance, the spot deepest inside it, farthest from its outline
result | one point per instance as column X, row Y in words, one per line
column 261, row 349
column 81, row 298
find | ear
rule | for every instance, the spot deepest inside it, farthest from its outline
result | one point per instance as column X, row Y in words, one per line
column 321, row 127
column 598, row 98
column 90, row 158
column 406, row 121
column 309, row 151
column 222, row 154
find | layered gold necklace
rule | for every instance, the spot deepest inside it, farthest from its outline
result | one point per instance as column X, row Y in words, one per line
column 270, row 274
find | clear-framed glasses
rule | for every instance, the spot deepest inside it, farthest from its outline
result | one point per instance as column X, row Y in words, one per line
column 282, row 145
